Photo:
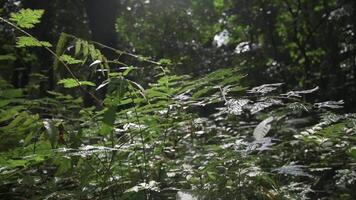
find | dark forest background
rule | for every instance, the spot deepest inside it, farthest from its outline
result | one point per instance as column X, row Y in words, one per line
column 300, row 43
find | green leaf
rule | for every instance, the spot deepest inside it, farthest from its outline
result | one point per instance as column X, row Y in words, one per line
column 64, row 165
column 85, row 48
column 14, row 123
column 219, row 4
column 11, row 93
column 70, row 60
column 28, row 138
column 4, row 102
column 108, row 121
column 352, row 152
column 128, row 70
column 165, row 61
column 78, row 46
column 60, row 49
column 87, row 83
column 25, row 41
column 9, row 114
column 71, row 83
column 12, row 163
column 27, row 18
column 7, row 57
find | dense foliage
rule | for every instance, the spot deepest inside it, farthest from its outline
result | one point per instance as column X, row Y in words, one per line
column 80, row 119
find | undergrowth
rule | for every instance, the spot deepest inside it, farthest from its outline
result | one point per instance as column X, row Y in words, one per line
column 209, row 136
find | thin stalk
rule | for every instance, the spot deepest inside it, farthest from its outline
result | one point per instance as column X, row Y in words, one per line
column 143, row 145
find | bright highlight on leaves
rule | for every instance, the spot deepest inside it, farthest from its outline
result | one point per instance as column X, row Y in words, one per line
column 27, row 18
column 71, row 83
column 25, row 41
column 96, row 62
column 262, row 128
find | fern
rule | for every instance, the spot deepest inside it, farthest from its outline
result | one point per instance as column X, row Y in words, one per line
column 292, row 169
column 264, row 89
column 27, row 18
column 60, row 48
column 330, row 104
column 262, row 128
column 174, row 132
column 71, row 83
column 25, row 41
column 70, row 60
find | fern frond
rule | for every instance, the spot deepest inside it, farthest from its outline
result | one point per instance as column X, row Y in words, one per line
column 70, row 60
column 262, row 128
column 25, row 41
column 71, row 83
column 27, row 18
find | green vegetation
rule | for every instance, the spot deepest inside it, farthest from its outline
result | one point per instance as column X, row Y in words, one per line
column 211, row 99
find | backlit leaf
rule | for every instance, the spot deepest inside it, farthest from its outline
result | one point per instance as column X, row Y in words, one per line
column 71, row 83
column 27, row 18
column 70, row 60
column 25, row 41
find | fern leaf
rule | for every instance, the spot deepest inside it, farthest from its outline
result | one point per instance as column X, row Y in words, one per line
column 27, row 18
column 264, row 89
column 236, row 106
column 352, row 152
column 85, row 48
column 78, row 47
column 262, row 128
column 330, row 104
column 7, row 57
column 60, row 48
column 71, row 83
column 25, row 41
column 292, row 169
column 108, row 121
column 70, row 60
column 298, row 93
